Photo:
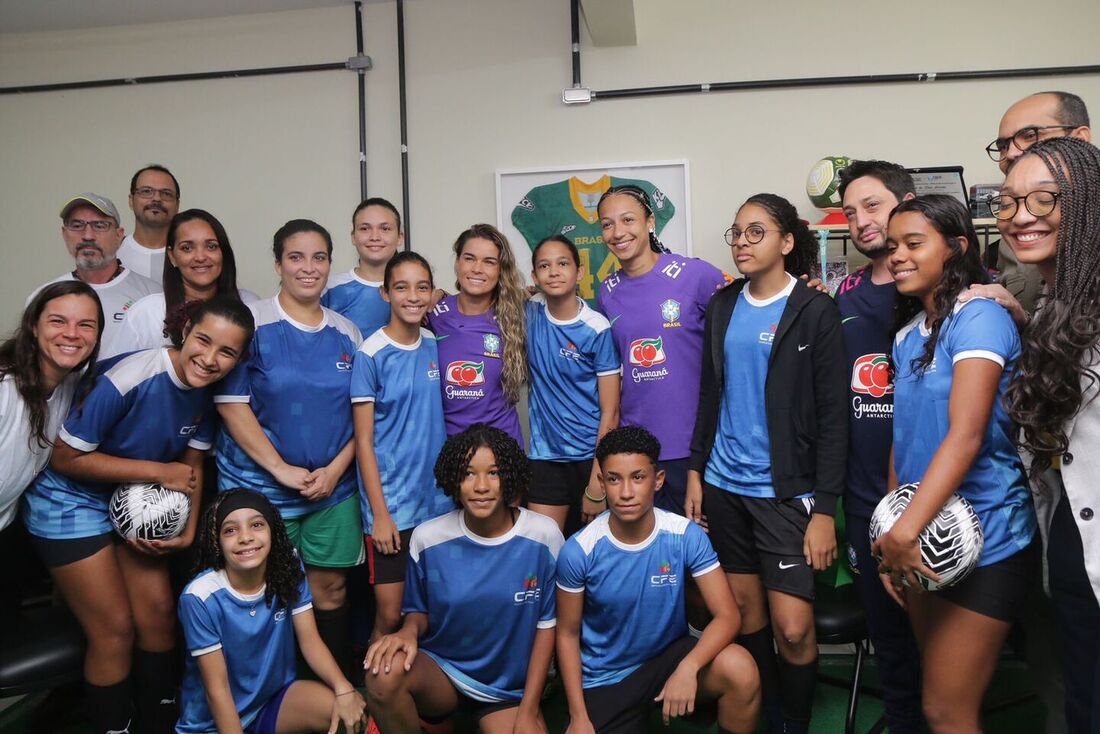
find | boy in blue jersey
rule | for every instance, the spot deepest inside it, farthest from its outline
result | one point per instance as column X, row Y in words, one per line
column 376, row 234
column 623, row 645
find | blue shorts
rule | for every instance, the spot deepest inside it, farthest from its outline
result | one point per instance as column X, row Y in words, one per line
column 265, row 721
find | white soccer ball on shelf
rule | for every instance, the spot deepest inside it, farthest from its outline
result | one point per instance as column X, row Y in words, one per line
column 823, row 182
column 148, row 511
column 950, row 545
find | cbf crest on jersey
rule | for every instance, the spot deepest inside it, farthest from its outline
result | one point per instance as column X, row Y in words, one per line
column 491, row 344
column 670, row 312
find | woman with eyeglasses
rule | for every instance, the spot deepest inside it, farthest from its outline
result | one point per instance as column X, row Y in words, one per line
column 198, row 266
column 1048, row 211
column 655, row 302
column 768, row 453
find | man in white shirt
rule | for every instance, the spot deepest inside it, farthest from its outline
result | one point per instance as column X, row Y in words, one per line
column 154, row 200
column 90, row 228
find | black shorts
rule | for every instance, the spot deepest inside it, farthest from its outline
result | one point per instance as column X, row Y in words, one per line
column 1000, row 589
column 388, row 569
column 672, row 495
column 763, row 537
column 559, row 482
column 625, row 707
column 55, row 553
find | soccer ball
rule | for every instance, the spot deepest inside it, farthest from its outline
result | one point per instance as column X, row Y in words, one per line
column 148, row 511
column 950, row 545
column 823, row 183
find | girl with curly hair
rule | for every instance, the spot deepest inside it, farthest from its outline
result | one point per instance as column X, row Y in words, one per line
column 398, row 413
column 1049, row 213
column 241, row 668
column 481, row 334
column 479, row 600
column 952, row 365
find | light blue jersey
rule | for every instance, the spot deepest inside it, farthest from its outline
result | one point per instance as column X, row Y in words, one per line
column 741, row 460
column 995, row 484
column 257, row 642
column 296, row 380
column 565, row 359
column 485, row 599
column 137, row 409
column 633, row 594
column 357, row 299
column 402, row 380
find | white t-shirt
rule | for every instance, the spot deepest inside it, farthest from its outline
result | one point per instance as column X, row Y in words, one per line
column 143, row 327
column 117, row 296
column 22, row 457
column 144, row 260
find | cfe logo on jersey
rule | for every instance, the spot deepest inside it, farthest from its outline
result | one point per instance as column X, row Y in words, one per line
column 767, row 337
column 670, row 312
column 462, row 375
column 120, row 315
column 646, row 353
column 530, row 592
column 433, row 370
column 491, row 344
column 871, row 375
column 192, row 428
column 664, row 575
column 569, row 351
column 344, row 363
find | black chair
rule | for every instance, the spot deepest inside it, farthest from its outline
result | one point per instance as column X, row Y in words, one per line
column 839, row 620
column 40, row 648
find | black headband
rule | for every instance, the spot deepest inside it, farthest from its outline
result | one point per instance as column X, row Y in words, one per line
column 241, row 499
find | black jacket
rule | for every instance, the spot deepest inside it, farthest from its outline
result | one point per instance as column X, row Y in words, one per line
column 805, row 395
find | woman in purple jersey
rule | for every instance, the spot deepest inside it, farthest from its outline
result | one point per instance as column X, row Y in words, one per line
column 655, row 303
column 482, row 335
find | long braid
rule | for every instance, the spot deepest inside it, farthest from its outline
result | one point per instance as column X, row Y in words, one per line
column 1057, row 367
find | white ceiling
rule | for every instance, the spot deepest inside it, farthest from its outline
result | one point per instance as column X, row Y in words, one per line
column 22, row 16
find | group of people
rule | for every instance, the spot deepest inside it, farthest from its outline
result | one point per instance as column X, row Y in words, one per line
column 693, row 435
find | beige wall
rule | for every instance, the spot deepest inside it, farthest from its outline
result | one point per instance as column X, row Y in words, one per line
column 484, row 83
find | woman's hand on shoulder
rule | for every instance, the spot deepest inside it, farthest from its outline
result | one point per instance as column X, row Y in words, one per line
column 380, row 655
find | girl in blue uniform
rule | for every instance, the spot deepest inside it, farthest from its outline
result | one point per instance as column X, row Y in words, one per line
column 398, row 411
column 479, row 601
column 242, row 615
column 770, row 440
column 288, row 426
column 147, row 419
column 575, row 382
column 952, row 365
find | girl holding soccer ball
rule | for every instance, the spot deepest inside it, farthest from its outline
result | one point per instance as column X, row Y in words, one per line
column 952, row 366
column 148, row 418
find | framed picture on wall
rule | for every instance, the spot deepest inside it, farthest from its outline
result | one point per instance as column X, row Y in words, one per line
column 534, row 203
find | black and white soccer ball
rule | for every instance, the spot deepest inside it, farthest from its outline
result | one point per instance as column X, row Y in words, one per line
column 950, row 545
column 148, row 511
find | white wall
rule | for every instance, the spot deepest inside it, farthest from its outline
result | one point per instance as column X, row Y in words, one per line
column 484, row 82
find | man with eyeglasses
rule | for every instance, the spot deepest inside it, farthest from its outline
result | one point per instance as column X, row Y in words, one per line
column 90, row 228
column 154, row 200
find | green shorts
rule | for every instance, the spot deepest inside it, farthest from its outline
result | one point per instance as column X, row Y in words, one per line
column 329, row 538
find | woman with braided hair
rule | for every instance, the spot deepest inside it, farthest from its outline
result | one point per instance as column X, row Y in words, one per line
column 1049, row 213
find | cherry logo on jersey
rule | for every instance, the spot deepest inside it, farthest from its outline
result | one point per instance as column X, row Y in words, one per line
column 344, row 363
column 465, row 373
column 664, row 575
column 871, row 375
column 530, row 592
column 647, row 352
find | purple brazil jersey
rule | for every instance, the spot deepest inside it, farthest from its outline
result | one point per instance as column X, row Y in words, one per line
column 657, row 322
column 471, row 354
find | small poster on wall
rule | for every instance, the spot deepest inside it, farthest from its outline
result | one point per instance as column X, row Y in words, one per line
column 534, row 203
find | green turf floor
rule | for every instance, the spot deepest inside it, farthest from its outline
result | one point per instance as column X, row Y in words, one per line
column 1013, row 708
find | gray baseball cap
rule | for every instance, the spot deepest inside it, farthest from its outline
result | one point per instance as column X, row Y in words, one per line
column 102, row 203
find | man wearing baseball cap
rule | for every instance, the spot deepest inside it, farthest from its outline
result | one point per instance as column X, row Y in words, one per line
column 90, row 228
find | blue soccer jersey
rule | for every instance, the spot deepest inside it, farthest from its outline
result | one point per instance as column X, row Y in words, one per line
column 565, row 358
column 485, row 598
column 137, row 409
column 995, row 484
column 296, row 380
column 357, row 299
column 402, row 380
column 633, row 594
column 256, row 640
column 741, row 459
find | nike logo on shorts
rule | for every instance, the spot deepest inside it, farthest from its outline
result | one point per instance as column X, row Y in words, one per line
column 785, row 566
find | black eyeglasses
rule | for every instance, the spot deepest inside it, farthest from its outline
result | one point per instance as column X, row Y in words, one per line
column 1023, row 139
column 754, row 233
column 1038, row 203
